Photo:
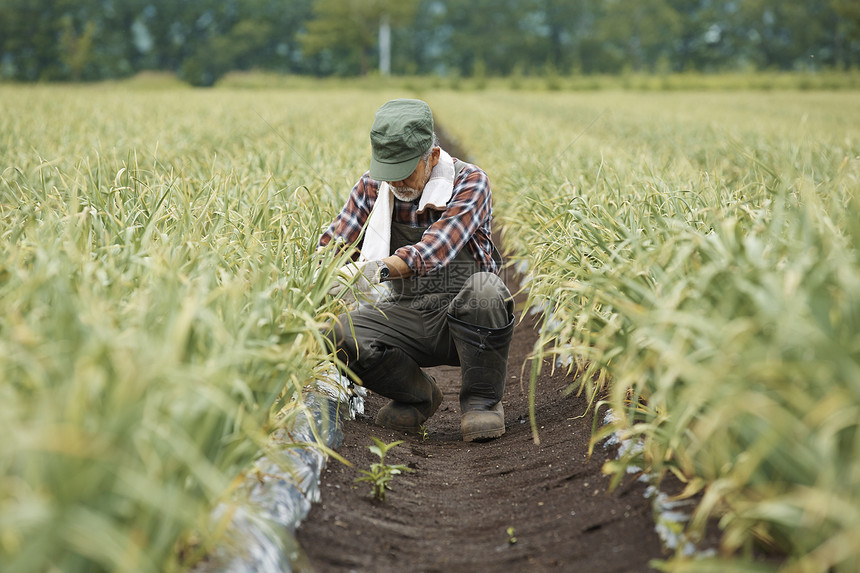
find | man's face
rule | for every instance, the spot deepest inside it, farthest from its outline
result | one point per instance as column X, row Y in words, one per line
column 410, row 189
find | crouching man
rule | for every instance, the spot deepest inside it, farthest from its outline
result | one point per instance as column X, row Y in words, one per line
column 421, row 222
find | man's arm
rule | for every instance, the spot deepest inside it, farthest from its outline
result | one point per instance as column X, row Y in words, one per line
column 397, row 267
column 466, row 216
column 348, row 225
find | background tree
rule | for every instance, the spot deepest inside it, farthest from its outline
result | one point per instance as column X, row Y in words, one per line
column 349, row 29
column 846, row 31
column 57, row 40
column 635, row 32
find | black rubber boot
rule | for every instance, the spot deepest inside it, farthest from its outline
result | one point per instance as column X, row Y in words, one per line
column 483, row 361
column 414, row 394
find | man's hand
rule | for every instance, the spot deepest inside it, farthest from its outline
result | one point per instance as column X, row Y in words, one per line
column 364, row 278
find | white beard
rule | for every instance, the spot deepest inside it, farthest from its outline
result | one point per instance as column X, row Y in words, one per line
column 405, row 193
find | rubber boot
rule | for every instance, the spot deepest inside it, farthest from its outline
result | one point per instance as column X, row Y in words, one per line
column 483, row 361
column 414, row 394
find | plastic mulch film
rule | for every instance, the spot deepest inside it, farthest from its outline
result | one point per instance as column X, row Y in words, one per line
column 271, row 502
column 670, row 516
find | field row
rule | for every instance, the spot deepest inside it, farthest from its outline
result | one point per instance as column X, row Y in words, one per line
column 161, row 303
column 698, row 256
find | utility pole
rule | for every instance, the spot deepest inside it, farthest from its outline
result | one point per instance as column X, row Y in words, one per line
column 384, row 45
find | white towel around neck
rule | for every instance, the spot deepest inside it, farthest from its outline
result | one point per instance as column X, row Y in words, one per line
column 436, row 194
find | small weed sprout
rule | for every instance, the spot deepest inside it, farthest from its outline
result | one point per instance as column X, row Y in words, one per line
column 424, row 433
column 511, row 538
column 380, row 473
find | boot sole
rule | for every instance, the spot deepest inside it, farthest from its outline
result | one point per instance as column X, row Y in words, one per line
column 483, row 436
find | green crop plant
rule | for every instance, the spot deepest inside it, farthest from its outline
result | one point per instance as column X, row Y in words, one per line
column 161, row 302
column 695, row 258
column 380, row 474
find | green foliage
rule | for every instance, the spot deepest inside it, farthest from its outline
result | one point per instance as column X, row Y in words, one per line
column 204, row 39
column 695, row 257
column 161, row 303
column 352, row 27
column 201, row 39
column 380, row 474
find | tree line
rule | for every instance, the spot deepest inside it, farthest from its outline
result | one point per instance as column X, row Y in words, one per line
column 201, row 40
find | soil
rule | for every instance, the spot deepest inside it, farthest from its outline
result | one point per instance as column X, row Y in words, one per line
column 454, row 510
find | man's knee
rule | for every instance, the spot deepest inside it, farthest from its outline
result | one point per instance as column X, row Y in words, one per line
column 484, row 300
column 347, row 345
column 487, row 286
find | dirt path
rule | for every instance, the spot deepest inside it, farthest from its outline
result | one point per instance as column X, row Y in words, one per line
column 453, row 512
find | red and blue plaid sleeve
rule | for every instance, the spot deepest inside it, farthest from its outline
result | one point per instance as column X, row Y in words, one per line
column 349, row 223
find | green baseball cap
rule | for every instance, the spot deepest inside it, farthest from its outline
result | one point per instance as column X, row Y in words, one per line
column 402, row 131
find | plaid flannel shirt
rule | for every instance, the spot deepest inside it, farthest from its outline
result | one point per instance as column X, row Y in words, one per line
column 465, row 223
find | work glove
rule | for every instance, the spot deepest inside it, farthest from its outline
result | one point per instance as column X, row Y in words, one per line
column 363, row 277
